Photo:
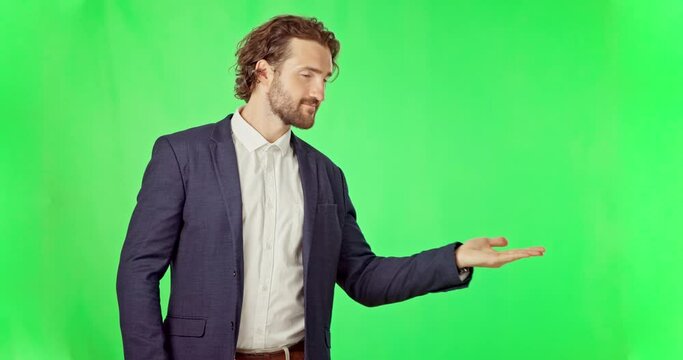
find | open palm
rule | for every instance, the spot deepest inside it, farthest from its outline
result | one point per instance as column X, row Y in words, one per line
column 480, row 252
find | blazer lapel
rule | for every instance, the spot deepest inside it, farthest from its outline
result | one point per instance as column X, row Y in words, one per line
column 308, row 171
column 224, row 161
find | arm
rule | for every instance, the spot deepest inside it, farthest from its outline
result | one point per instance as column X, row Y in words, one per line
column 151, row 238
column 373, row 280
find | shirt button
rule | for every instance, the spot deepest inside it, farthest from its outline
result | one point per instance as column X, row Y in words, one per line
column 268, row 246
column 264, row 288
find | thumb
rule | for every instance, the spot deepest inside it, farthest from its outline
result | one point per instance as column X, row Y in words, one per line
column 498, row 241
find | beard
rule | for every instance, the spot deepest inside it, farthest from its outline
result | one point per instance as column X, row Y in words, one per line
column 289, row 111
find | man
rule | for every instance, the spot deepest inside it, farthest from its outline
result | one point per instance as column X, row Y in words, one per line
column 257, row 225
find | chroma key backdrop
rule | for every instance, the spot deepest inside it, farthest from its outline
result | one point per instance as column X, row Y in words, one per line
column 552, row 123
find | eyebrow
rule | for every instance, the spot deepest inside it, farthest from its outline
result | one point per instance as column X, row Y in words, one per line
column 315, row 70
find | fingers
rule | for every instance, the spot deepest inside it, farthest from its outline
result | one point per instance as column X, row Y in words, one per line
column 502, row 241
column 521, row 253
column 513, row 255
column 498, row 241
column 533, row 249
column 497, row 259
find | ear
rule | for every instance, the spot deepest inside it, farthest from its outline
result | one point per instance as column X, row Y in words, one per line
column 264, row 72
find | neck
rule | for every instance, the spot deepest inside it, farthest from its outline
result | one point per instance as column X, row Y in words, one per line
column 259, row 115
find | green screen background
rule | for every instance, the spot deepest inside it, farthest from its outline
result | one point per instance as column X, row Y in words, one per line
column 553, row 123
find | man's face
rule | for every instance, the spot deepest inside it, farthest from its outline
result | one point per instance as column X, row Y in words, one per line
column 298, row 86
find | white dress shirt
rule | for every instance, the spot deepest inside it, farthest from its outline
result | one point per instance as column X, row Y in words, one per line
column 272, row 219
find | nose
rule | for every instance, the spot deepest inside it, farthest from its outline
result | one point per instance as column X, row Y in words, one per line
column 318, row 92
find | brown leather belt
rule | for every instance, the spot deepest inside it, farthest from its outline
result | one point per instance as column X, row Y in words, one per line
column 295, row 352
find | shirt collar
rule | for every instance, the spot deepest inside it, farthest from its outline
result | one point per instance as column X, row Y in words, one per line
column 251, row 138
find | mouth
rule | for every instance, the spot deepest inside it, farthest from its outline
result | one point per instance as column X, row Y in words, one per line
column 310, row 106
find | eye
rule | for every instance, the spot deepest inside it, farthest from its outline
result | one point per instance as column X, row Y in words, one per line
column 306, row 75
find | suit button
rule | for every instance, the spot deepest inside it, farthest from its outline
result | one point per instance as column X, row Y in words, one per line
column 232, row 325
column 234, row 273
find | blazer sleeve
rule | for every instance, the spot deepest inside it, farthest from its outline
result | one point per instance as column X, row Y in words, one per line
column 375, row 280
column 151, row 238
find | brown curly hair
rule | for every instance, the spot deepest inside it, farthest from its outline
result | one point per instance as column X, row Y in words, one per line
column 269, row 41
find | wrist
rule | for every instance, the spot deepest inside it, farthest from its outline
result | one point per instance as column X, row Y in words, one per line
column 462, row 267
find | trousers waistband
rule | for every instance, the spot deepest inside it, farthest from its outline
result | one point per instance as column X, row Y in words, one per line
column 284, row 354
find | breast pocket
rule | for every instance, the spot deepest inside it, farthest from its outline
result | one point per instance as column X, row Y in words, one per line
column 327, row 219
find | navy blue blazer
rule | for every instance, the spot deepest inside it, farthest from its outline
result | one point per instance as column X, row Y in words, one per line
column 189, row 216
